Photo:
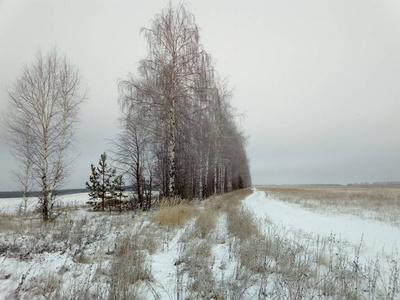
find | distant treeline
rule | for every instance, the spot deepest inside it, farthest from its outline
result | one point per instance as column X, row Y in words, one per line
column 15, row 194
column 37, row 193
column 383, row 183
column 305, row 184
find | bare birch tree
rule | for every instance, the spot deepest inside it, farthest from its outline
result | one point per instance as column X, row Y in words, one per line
column 173, row 43
column 43, row 108
column 193, row 134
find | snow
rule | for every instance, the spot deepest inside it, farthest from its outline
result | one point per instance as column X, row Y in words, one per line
column 164, row 270
column 379, row 240
column 378, row 237
column 223, row 262
column 12, row 205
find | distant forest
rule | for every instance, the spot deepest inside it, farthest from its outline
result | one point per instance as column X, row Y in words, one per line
column 37, row 193
column 383, row 183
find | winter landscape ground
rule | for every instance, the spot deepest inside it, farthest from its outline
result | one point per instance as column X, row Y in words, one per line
column 259, row 243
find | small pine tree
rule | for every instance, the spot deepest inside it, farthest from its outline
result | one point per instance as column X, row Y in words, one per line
column 93, row 186
column 101, row 182
column 118, row 194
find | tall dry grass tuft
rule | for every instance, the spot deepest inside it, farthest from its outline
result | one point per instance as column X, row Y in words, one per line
column 174, row 212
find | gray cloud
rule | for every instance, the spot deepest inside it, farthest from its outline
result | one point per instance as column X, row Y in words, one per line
column 317, row 80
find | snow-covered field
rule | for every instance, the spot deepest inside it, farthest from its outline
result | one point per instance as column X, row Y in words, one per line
column 378, row 238
column 261, row 248
column 13, row 205
column 376, row 241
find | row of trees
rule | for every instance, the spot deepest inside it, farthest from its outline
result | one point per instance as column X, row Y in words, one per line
column 179, row 129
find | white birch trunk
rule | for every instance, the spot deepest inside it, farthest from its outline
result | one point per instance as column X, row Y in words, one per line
column 27, row 169
column 171, row 149
column 58, row 172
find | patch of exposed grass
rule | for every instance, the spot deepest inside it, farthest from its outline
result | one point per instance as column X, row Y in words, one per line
column 174, row 212
column 222, row 201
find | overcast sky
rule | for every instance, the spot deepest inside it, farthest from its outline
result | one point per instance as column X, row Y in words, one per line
column 318, row 80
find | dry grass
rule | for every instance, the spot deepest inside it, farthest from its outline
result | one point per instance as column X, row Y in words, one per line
column 241, row 223
column 206, row 221
column 106, row 257
column 194, row 274
column 377, row 195
column 262, row 258
column 289, row 265
column 380, row 203
column 234, row 197
column 129, row 268
column 17, row 223
column 196, row 269
column 174, row 212
column 7, row 222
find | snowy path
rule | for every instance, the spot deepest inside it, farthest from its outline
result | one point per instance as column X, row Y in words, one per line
column 379, row 239
column 164, row 269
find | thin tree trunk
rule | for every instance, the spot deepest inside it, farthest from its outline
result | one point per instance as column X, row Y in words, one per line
column 229, row 176
column 138, row 184
column 172, row 146
column 45, row 201
column 27, row 171
column 206, row 170
column 200, row 168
